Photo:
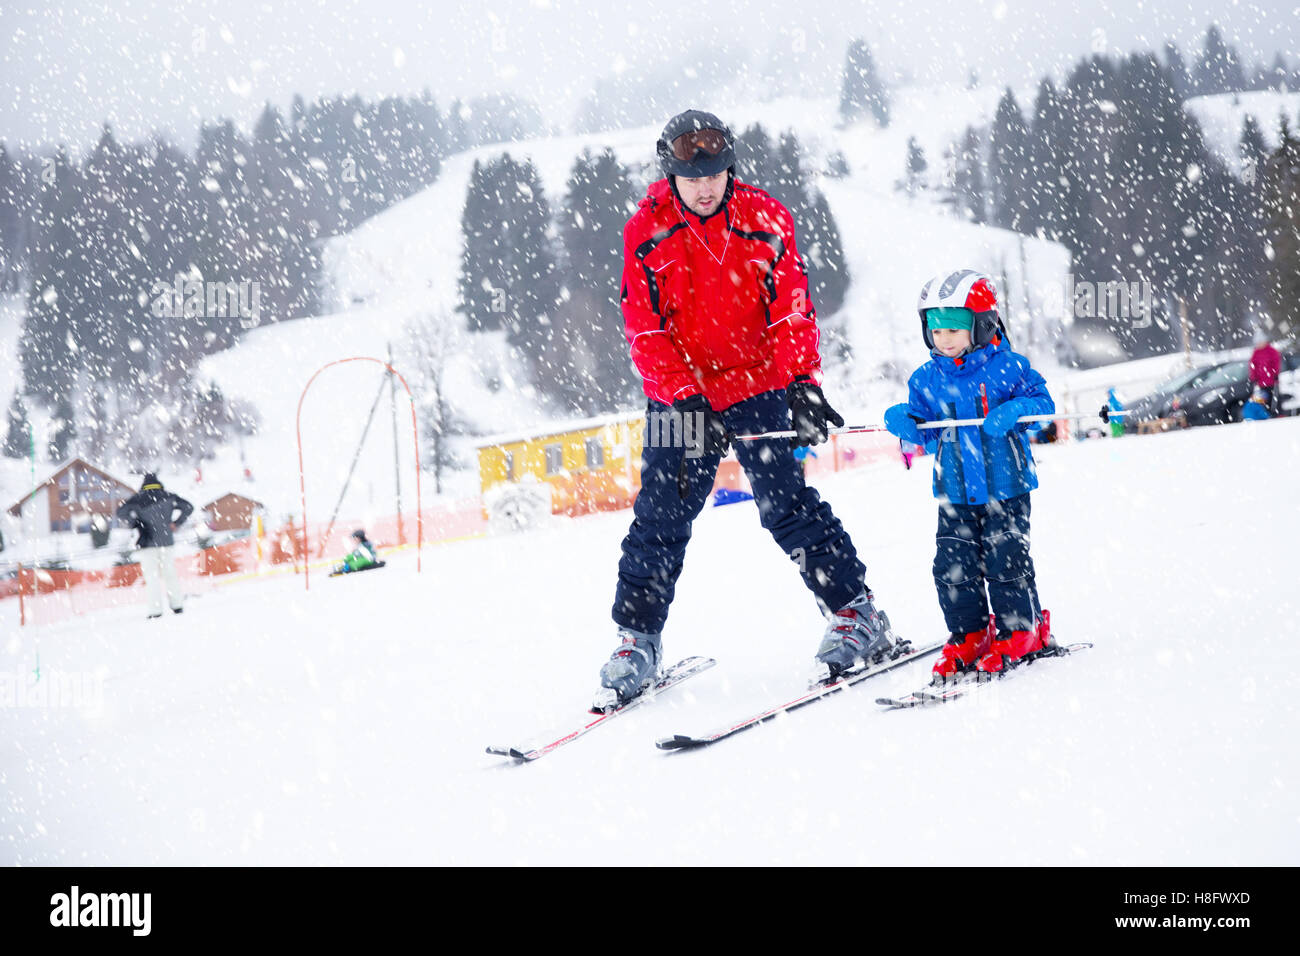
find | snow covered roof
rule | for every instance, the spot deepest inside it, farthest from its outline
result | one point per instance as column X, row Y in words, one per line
column 550, row 429
column 54, row 476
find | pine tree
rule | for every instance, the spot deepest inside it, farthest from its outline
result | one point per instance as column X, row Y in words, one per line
column 63, row 432
column 1278, row 75
column 755, row 157
column 18, row 438
column 822, row 250
column 1009, row 161
column 1046, row 188
column 916, row 165
column 533, row 283
column 227, row 238
column 507, row 277
column 98, row 425
column 789, row 184
column 1178, row 76
column 479, row 301
column 587, row 338
column 1218, row 70
column 1085, row 134
column 1252, row 148
column 283, row 257
column 55, row 299
column 12, row 201
column 968, row 195
column 861, row 90
column 110, row 296
column 164, row 188
column 1281, row 190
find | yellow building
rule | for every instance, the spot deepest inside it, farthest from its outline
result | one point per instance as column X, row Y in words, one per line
column 592, row 464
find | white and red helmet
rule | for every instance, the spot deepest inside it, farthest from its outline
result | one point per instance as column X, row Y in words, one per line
column 963, row 289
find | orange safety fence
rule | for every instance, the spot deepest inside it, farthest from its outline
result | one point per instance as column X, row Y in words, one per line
column 51, row 595
column 47, row 595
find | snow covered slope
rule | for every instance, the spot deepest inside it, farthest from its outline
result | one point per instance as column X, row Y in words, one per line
column 347, row 724
column 1221, row 117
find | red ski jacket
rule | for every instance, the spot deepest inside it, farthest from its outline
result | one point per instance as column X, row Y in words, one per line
column 719, row 305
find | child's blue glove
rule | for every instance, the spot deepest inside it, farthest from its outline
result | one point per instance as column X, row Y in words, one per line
column 902, row 423
column 1003, row 418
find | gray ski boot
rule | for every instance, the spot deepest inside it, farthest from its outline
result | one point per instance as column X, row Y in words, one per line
column 857, row 633
column 630, row 669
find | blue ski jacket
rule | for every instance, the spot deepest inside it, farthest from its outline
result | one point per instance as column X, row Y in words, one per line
column 971, row 466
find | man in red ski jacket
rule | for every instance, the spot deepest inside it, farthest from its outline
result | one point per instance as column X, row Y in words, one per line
column 723, row 331
column 717, row 305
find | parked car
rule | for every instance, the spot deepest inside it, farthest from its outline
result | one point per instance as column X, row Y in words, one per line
column 1214, row 395
column 1157, row 403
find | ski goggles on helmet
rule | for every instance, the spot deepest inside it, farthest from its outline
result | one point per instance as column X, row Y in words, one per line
column 710, row 141
column 949, row 318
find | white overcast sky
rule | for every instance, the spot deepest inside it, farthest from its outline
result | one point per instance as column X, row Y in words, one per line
column 65, row 68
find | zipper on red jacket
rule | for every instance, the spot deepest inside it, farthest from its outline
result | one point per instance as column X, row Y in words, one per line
column 984, row 400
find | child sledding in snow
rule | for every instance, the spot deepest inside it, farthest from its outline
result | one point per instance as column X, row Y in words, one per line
column 362, row 558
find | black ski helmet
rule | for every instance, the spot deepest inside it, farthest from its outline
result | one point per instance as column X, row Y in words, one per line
column 359, row 534
column 708, row 155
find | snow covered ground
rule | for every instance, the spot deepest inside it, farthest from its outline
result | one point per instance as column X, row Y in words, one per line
column 1221, row 117
column 347, row 724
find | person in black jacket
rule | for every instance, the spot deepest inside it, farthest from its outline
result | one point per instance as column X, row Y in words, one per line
column 156, row 514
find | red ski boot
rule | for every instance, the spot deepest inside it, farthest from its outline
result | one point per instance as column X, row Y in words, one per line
column 960, row 653
column 1010, row 648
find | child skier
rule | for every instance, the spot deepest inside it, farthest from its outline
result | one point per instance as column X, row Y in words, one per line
column 363, row 556
column 982, row 474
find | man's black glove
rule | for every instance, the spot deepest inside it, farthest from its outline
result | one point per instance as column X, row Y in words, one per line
column 810, row 413
column 705, row 426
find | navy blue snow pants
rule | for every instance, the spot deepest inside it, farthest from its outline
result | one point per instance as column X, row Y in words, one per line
column 985, row 544
column 802, row 524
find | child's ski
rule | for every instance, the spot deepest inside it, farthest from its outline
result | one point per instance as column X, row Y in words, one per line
column 937, row 694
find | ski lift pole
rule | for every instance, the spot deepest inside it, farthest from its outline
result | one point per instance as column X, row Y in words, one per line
column 1105, row 415
column 356, row 457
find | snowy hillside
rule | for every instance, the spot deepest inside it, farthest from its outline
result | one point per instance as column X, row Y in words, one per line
column 1221, row 118
column 347, row 724
column 409, row 256
column 405, row 262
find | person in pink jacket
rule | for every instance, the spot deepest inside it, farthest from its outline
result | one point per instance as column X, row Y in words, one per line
column 1265, row 367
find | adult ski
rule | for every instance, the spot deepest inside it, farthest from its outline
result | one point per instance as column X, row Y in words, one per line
column 682, row 670
column 819, row 691
column 936, row 694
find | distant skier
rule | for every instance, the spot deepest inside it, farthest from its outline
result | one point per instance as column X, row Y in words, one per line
column 1265, row 368
column 156, row 514
column 724, row 334
column 1113, row 405
column 363, row 557
column 982, row 474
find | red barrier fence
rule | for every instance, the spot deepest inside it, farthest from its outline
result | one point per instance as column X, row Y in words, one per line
column 48, row 595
